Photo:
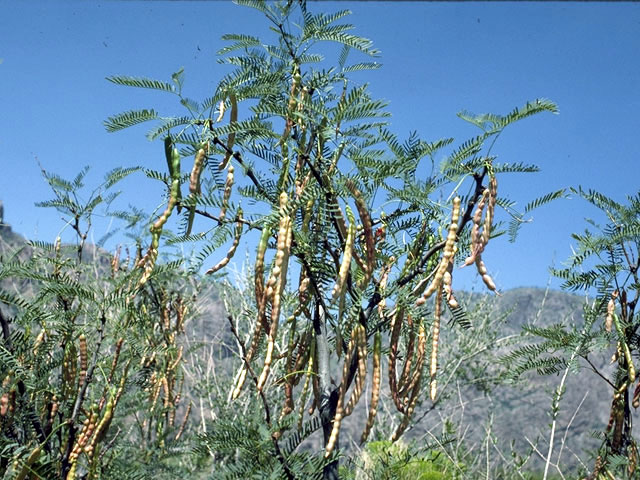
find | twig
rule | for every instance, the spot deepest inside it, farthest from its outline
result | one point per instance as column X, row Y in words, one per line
column 265, row 404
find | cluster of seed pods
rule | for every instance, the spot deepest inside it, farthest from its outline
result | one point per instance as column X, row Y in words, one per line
column 166, row 378
column 479, row 240
column 405, row 388
column 357, row 346
column 269, row 293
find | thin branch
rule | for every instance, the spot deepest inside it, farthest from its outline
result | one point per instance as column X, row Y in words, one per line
column 265, row 404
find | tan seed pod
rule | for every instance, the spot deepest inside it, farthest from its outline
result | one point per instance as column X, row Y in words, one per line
column 228, row 186
column 232, row 136
column 447, row 256
column 339, row 287
column 448, row 290
column 435, row 335
column 476, row 240
column 486, row 278
column 611, row 307
column 221, row 110
column 367, row 228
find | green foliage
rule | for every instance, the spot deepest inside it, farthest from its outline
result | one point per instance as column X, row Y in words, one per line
column 604, row 263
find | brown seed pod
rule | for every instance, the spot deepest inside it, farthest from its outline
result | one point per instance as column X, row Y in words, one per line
column 396, row 327
column 367, row 229
column 410, row 407
column 375, row 386
column 82, row 348
column 417, row 370
column 408, row 361
column 184, row 422
column 232, row 250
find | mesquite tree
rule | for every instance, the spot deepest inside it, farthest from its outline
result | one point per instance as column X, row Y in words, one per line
column 358, row 234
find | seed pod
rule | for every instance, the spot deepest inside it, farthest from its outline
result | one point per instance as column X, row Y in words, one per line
column 447, row 256
column 631, row 370
column 279, row 274
column 367, row 228
column 232, row 250
column 406, row 369
column 448, row 291
column 486, row 278
column 433, row 369
column 4, row 404
column 611, row 307
column 396, row 326
column 375, row 386
column 115, row 262
column 232, row 136
column 491, row 204
column 361, row 374
column 410, row 384
column 173, row 161
column 194, row 185
column 228, row 185
column 339, row 287
column 476, row 246
column 184, row 422
column 82, row 342
column 337, row 419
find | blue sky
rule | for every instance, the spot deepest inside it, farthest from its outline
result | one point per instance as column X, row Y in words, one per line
column 438, row 59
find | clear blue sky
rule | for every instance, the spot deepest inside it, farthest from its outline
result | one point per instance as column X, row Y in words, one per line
column 438, row 58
